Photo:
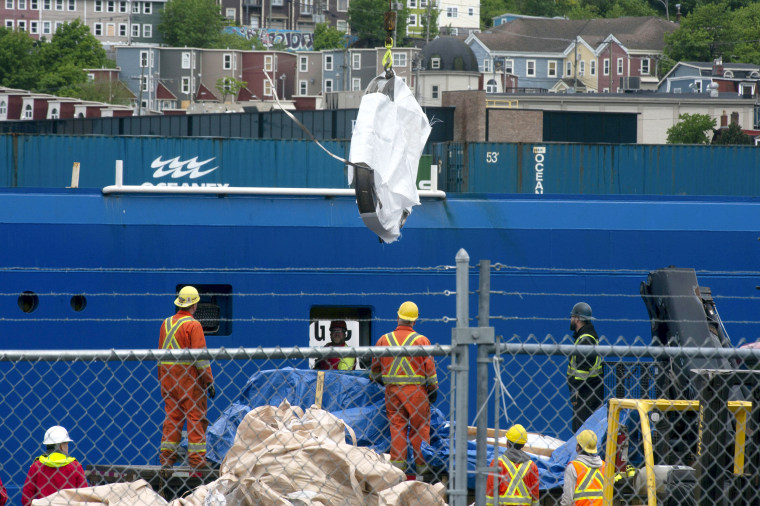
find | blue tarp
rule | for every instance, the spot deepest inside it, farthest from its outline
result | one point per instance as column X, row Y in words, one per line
column 352, row 397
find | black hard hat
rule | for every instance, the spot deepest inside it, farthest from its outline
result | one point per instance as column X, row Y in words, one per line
column 582, row 311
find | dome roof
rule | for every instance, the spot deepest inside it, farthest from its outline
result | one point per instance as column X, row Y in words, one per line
column 452, row 54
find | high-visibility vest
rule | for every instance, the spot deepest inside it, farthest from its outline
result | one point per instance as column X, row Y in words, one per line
column 171, row 343
column 517, row 491
column 580, row 374
column 588, row 485
column 55, row 459
column 401, row 371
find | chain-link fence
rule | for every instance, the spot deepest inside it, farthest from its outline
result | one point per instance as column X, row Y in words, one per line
column 676, row 422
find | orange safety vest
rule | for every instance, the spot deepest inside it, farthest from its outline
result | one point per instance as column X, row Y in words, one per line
column 170, row 342
column 401, row 370
column 589, row 485
column 517, row 491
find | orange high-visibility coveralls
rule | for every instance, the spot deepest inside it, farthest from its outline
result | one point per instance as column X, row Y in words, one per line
column 407, row 383
column 183, row 387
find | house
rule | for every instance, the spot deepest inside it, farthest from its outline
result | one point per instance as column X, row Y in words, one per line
column 11, row 103
column 703, row 77
column 263, row 70
column 445, row 64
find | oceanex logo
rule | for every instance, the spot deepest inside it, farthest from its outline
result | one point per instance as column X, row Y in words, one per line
column 178, row 168
column 539, row 154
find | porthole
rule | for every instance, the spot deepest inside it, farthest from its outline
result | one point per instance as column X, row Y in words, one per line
column 28, row 301
column 78, row 303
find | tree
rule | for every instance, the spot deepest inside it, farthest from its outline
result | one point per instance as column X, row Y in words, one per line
column 191, row 23
column 19, row 65
column 430, row 21
column 625, row 8
column 229, row 40
column 489, row 9
column 328, row 37
column 229, row 86
column 691, row 129
column 746, row 23
column 366, row 20
column 731, row 135
column 110, row 92
column 702, row 35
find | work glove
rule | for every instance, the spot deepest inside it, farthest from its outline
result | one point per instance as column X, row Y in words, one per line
column 432, row 395
column 211, row 390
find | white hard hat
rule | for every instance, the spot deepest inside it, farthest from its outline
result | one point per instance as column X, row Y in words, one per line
column 56, row 435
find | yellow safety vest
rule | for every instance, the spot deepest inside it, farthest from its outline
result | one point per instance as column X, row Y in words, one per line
column 580, row 374
column 170, row 342
column 517, row 491
column 588, row 486
column 402, row 364
column 56, row 459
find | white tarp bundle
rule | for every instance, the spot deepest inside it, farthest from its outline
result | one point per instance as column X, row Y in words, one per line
column 389, row 135
column 282, row 456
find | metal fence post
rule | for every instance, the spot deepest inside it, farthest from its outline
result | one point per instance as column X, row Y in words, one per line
column 481, row 466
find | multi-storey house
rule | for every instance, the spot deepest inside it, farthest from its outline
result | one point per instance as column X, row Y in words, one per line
column 703, row 77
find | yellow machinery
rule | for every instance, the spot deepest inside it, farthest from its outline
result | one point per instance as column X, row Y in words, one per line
column 740, row 410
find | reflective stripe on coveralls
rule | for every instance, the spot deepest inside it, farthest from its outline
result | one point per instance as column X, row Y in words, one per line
column 589, row 484
column 170, row 342
column 517, row 492
column 402, row 364
column 580, row 374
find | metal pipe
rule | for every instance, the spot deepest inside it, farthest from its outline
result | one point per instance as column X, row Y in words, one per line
column 458, row 494
column 248, row 190
column 484, row 292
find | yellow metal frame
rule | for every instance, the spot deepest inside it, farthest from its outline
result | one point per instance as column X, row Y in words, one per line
column 501, row 103
column 740, row 410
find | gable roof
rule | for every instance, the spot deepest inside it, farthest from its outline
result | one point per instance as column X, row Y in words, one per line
column 204, row 94
column 163, row 93
column 554, row 35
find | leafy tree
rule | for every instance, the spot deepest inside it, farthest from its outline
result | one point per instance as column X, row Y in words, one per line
column 746, row 23
column 110, row 92
column 691, row 129
column 489, row 9
column 583, row 12
column 731, row 135
column 328, row 37
column 702, row 35
column 623, row 8
column 430, row 21
column 192, row 23
column 366, row 20
column 19, row 66
column 229, row 86
column 541, row 7
column 229, row 40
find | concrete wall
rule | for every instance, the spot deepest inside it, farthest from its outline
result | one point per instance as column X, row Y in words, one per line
column 470, row 117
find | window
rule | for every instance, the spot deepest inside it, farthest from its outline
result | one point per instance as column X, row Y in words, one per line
column 277, row 2
column 47, row 5
column 72, row 5
column 147, row 31
column 509, row 66
column 328, row 62
column 343, row 5
column 34, row 27
column 568, row 69
column 412, row 4
column 135, row 7
column 59, row 5
column 412, row 20
column 435, row 63
column 9, row 23
column 356, row 61
column 619, row 66
column 227, row 65
column 90, row 77
column 592, row 67
column 58, row 24
column 110, row 6
column 21, row 25
column 46, row 28
column 3, row 107
column 451, row 12
column 328, row 86
column 582, row 68
column 491, row 86
column 230, row 13
column 123, row 30
column 34, row 5
column 303, row 63
column 303, row 88
column 28, row 111
column 307, row 7
column 22, row 5
column 9, row 4
column 185, row 59
column 186, row 85
column 144, row 81
column 530, row 68
column 454, row 31
column 98, row 29
column 399, row 59
column 697, row 86
column 98, row 5
column 147, row 7
column 268, row 63
column 123, row 7
column 434, row 91
column 471, row 11
column 644, row 65
column 606, row 66
column 487, row 65
column 356, row 84
column 54, row 113
column 551, row 68
column 144, row 59
column 341, row 25
column 267, row 88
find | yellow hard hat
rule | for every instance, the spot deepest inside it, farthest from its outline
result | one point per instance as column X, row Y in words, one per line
column 187, row 297
column 587, row 441
column 408, row 311
column 517, row 434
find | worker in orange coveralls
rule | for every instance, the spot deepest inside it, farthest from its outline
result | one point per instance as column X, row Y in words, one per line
column 518, row 474
column 184, row 384
column 54, row 470
column 411, row 385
